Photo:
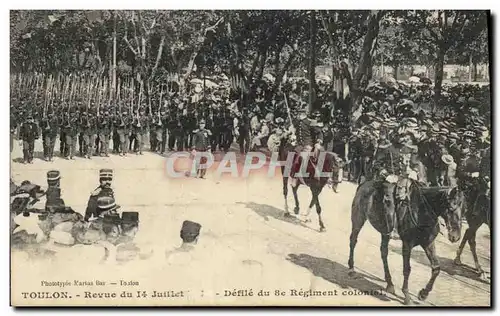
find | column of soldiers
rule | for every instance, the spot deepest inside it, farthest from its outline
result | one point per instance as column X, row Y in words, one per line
column 87, row 131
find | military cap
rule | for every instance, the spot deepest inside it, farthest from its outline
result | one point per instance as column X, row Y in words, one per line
column 190, row 229
column 106, row 173
column 130, row 217
column 106, row 203
column 53, row 175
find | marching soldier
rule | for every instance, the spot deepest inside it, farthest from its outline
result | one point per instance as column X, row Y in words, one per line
column 88, row 131
column 104, row 189
column 201, row 143
column 28, row 134
column 189, row 125
column 123, row 132
column 156, row 132
column 13, row 128
column 71, row 135
column 105, row 126
column 49, row 126
column 226, row 131
column 140, row 127
column 116, row 117
column 243, row 132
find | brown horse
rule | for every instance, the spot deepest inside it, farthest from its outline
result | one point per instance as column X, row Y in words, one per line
column 374, row 200
column 417, row 211
column 327, row 163
column 477, row 215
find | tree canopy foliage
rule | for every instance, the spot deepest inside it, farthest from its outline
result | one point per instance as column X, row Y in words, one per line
column 158, row 43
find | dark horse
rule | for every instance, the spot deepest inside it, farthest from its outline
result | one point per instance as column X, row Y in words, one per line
column 417, row 210
column 374, row 200
column 478, row 213
column 327, row 162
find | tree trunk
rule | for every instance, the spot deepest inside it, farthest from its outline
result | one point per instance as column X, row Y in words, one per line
column 262, row 64
column 475, row 71
column 312, row 62
column 396, row 68
column 363, row 72
column 280, row 74
column 114, row 52
column 438, row 78
column 470, row 68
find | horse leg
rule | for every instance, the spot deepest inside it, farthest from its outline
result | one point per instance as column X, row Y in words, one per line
column 318, row 211
column 384, row 251
column 406, row 271
column 472, row 245
column 295, row 187
column 311, row 204
column 430, row 251
column 466, row 237
column 358, row 219
column 285, row 191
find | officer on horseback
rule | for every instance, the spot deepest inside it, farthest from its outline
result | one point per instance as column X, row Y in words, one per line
column 309, row 137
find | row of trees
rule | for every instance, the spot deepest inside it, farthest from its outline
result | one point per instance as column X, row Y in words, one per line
column 152, row 44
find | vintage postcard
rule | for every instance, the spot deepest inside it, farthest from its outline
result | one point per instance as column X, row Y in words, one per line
column 250, row 158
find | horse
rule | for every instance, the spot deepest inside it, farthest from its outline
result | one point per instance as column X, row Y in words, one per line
column 374, row 200
column 328, row 162
column 417, row 212
column 478, row 215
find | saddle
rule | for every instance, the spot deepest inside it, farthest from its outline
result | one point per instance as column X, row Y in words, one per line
column 311, row 164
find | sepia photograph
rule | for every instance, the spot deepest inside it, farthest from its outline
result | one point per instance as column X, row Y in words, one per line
column 336, row 158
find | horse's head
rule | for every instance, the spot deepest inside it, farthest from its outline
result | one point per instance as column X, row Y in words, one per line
column 388, row 186
column 452, row 213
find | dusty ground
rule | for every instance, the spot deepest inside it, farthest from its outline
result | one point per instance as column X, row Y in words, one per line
column 246, row 243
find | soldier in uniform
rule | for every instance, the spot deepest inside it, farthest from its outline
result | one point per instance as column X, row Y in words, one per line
column 165, row 133
column 123, row 132
column 28, row 134
column 62, row 133
column 156, row 134
column 201, row 143
column 87, row 128
column 13, row 128
column 141, row 128
column 116, row 119
column 189, row 125
column 190, row 232
column 105, row 126
column 53, row 192
column 309, row 137
column 71, row 134
column 244, row 132
column 468, row 172
column 50, row 127
column 104, row 189
column 227, row 131
column 172, row 129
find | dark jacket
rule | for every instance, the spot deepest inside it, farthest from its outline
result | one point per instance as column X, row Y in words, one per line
column 29, row 131
column 92, row 203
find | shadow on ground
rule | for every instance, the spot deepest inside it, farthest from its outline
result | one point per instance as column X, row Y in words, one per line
column 336, row 273
column 447, row 265
column 265, row 211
